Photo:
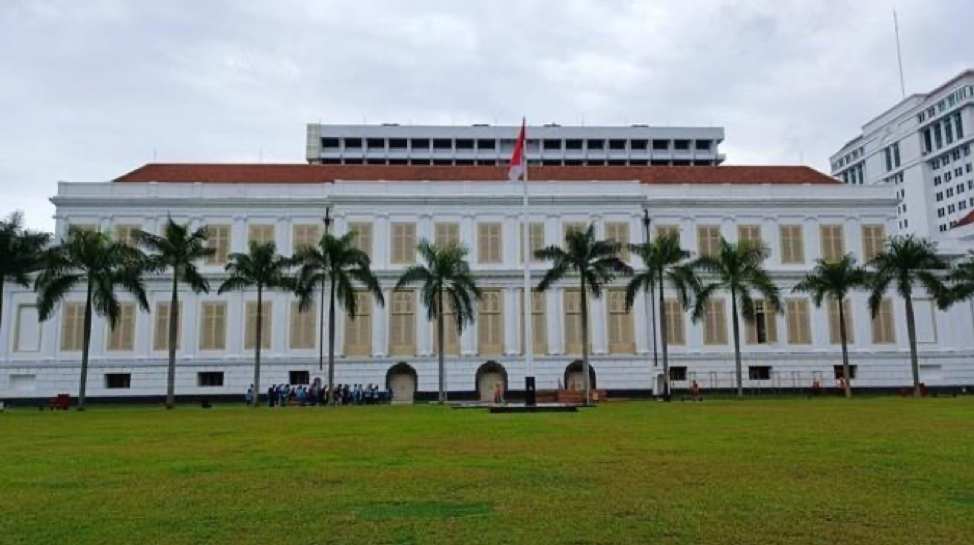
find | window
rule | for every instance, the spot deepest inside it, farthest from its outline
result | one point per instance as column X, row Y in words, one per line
column 124, row 234
column 571, row 226
column 261, row 234
column 539, row 327
column 792, row 244
column 209, row 379
column 72, row 326
column 402, row 324
column 490, row 324
column 299, row 377
column 451, row 337
column 621, row 333
column 121, row 338
column 218, row 238
column 833, row 246
column 678, row 373
column 27, row 331
column 873, row 239
column 715, row 323
column 363, row 236
column 749, row 233
column 796, row 315
column 834, row 329
column 358, row 326
column 403, row 243
column 675, row 333
column 666, row 230
column 573, row 322
column 489, row 243
column 213, row 326
column 708, row 240
column 160, row 340
column 837, row 372
column 618, row 231
column 883, row 329
column 304, row 236
column 303, row 326
column 764, row 328
column 535, row 239
column 447, row 234
column 759, row 372
column 250, row 334
column 118, row 381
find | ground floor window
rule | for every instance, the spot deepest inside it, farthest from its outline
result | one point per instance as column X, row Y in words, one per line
column 838, row 371
column 678, row 373
column 209, row 379
column 118, row 381
column 299, row 377
column 759, row 372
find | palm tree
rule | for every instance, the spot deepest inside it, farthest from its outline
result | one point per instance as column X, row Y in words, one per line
column 737, row 268
column 101, row 264
column 596, row 263
column 446, row 282
column 177, row 249
column 665, row 261
column 336, row 263
column 834, row 280
column 20, row 253
column 908, row 262
column 261, row 268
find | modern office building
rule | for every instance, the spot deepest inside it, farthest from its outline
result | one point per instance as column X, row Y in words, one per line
column 549, row 145
column 799, row 213
column 920, row 150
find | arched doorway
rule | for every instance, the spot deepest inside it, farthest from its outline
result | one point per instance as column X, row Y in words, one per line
column 574, row 379
column 488, row 377
column 401, row 380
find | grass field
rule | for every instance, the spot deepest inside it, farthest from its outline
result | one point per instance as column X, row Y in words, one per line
column 881, row 470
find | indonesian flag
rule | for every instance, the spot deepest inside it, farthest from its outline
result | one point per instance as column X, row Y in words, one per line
column 519, row 162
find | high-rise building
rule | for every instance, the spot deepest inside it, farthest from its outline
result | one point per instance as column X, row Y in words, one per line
column 482, row 145
column 921, row 150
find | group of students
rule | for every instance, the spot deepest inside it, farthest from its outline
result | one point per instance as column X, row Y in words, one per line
column 283, row 395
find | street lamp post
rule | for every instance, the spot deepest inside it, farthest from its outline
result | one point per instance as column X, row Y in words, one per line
column 652, row 306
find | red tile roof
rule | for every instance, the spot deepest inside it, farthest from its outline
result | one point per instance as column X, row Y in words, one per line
column 311, row 174
column 966, row 220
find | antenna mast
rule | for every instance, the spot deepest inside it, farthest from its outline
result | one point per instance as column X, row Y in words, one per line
column 899, row 54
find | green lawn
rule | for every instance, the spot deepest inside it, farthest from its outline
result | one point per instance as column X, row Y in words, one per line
column 882, row 470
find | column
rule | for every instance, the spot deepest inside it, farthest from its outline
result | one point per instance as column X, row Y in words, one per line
column 597, row 323
column 512, row 240
column 554, row 319
column 424, row 329
column 238, row 234
column 380, row 242
column 513, row 317
column 380, row 325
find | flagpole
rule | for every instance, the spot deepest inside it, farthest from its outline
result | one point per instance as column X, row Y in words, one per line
column 530, row 397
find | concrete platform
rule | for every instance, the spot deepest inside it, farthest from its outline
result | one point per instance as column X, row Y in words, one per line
column 520, row 408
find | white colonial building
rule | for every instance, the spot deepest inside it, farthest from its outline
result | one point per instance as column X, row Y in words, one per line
column 800, row 214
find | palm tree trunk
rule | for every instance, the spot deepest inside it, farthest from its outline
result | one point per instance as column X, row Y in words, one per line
column 663, row 344
column 845, row 350
column 331, row 340
column 584, row 305
column 84, row 351
column 260, row 320
column 912, row 334
column 440, row 330
column 173, row 332
column 2, row 284
column 737, row 345
column 321, row 332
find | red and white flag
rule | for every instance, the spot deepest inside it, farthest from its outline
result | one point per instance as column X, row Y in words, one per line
column 519, row 161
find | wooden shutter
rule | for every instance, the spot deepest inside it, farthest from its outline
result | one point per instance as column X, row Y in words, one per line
column 213, row 326
column 882, row 324
column 792, row 244
column 666, row 230
column 539, row 327
column 573, row 322
column 358, row 327
column 160, row 341
column 570, row 226
column 621, row 330
column 304, row 236
column 873, row 240
column 447, row 233
column 363, row 236
column 799, row 328
column 489, row 243
column 72, row 326
column 122, row 337
column 749, row 233
column 123, row 234
column 261, row 234
column 708, row 239
column 675, row 331
column 218, row 238
column 715, row 323
column 451, row 341
column 833, row 245
column 490, row 324
column 403, row 243
column 250, row 334
column 402, row 324
column 303, row 326
column 618, row 231
column 834, row 336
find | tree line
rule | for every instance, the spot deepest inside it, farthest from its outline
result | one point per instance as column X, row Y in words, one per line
column 334, row 269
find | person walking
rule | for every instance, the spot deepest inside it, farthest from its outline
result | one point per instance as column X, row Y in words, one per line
column 249, row 396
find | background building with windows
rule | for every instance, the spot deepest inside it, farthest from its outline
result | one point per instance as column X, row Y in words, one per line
column 800, row 214
column 920, row 150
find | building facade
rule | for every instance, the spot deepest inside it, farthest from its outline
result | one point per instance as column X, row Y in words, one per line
column 799, row 214
column 920, row 150
column 550, row 145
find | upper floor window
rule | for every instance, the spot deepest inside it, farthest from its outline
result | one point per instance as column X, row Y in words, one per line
column 403, row 243
column 218, row 238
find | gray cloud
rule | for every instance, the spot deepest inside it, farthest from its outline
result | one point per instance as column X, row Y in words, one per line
column 93, row 89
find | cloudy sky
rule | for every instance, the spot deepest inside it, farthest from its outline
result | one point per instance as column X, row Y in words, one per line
column 92, row 89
